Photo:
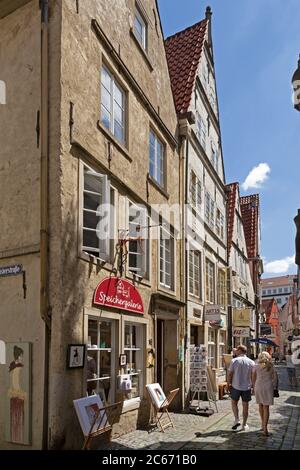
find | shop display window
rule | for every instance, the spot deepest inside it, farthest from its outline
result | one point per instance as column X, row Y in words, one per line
column 133, row 348
column 101, row 350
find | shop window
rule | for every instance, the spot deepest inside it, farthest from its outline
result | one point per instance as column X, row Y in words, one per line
column 139, row 240
column 156, row 159
column 112, row 105
column 195, row 273
column 209, row 281
column 195, row 191
column 133, row 348
column 140, row 28
column 222, row 350
column 211, row 347
column 167, row 260
column 97, row 215
column 101, row 359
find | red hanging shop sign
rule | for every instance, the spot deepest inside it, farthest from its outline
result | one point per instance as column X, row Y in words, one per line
column 118, row 293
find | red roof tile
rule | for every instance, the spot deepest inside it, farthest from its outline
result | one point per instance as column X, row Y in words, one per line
column 250, row 216
column 231, row 190
column 183, row 51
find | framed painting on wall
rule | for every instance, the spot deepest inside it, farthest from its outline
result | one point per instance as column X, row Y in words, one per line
column 18, row 393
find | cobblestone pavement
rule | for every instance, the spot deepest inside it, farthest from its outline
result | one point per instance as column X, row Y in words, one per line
column 194, row 432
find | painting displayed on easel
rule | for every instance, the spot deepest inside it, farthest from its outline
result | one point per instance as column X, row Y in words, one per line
column 18, row 393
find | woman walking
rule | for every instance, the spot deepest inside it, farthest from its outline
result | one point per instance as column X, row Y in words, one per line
column 264, row 381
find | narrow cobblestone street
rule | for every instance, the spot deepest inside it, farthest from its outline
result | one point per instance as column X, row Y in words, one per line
column 195, row 432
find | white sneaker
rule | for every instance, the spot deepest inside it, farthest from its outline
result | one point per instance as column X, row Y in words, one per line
column 245, row 428
column 236, row 425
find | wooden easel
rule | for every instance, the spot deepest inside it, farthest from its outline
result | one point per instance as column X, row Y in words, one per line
column 107, row 417
column 162, row 418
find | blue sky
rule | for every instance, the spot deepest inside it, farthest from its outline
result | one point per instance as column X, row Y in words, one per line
column 256, row 48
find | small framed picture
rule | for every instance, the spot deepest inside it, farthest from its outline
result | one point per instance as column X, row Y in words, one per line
column 76, row 356
column 123, row 360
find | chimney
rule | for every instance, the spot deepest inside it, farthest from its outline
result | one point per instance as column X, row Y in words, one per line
column 208, row 15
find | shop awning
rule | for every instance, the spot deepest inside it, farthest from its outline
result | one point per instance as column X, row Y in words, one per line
column 265, row 341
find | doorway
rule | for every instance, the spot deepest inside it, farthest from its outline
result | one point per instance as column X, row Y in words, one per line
column 167, row 354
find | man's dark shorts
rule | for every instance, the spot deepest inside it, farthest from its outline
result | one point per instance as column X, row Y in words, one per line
column 236, row 394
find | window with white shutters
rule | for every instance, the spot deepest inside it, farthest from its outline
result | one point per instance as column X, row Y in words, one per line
column 97, row 216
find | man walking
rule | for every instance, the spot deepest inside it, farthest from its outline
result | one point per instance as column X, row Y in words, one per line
column 240, row 384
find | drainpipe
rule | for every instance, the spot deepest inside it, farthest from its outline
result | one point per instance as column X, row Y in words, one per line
column 184, row 251
column 182, row 257
column 44, row 208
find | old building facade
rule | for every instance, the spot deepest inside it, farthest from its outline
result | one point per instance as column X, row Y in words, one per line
column 250, row 211
column 94, row 153
column 242, row 309
column 192, row 74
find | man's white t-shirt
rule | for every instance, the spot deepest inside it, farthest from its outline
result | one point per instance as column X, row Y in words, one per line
column 241, row 367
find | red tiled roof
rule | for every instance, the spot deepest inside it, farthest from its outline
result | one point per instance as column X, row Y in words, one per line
column 183, row 51
column 267, row 306
column 250, row 216
column 278, row 281
column 231, row 190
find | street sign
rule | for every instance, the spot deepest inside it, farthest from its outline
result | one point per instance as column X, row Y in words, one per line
column 241, row 317
column 243, row 332
column 213, row 313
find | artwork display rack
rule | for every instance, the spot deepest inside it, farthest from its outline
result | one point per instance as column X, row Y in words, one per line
column 200, row 378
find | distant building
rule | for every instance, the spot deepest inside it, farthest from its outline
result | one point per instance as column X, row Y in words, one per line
column 270, row 315
column 279, row 288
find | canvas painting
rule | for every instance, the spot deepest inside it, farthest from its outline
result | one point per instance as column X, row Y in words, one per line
column 87, row 409
column 156, row 393
column 18, row 393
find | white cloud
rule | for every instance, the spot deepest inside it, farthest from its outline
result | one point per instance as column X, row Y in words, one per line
column 279, row 266
column 257, row 176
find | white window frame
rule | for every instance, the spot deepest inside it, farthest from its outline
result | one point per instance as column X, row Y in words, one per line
column 214, row 156
column 159, row 167
column 221, row 288
column 201, row 130
column 195, row 191
column 112, row 350
column 106, row 221
column 220, row 224
column 139, row 346
column 209, row 210
column 222, row 348
column 143, row 39
column 211, row 344
column 209, row 281
column 205, row 75
column 166, row 245
column 193, row 269
column 141, row 219
column 114, row 84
